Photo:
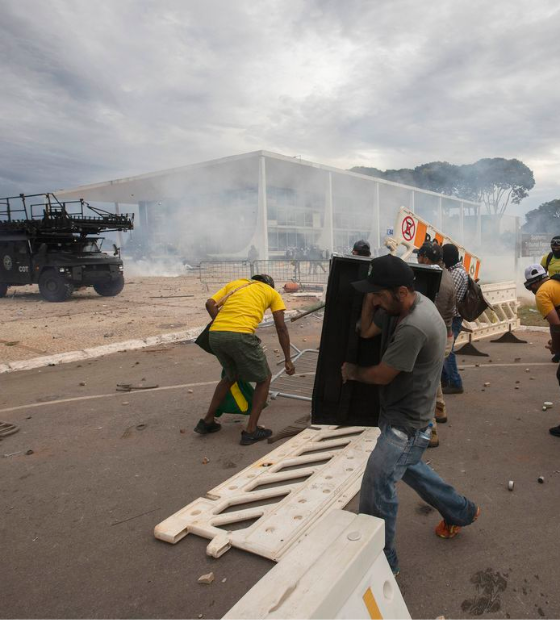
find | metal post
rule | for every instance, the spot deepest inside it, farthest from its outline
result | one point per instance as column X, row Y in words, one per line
column 119, row 233
column 262, row 211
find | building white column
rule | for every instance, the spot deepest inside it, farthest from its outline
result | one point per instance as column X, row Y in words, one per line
column 329, row 216
column 262, row 211
column 378, row 215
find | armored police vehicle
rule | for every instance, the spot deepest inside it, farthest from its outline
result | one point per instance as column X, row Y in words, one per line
column 57, row 246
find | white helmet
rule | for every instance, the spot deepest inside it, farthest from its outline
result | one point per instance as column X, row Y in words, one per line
column 534, row 273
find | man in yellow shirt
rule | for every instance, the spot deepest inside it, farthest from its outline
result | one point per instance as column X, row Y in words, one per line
column 236, row 310
column 547, row 296
column 551, row 261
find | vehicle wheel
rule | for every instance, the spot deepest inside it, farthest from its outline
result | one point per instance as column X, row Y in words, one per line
column 110, row 289
column 54, row 287
column 3, row 289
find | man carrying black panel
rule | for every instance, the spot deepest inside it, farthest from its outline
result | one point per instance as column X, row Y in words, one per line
column 413, row 337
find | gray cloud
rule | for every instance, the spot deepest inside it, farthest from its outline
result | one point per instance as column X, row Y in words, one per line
column 94, row 91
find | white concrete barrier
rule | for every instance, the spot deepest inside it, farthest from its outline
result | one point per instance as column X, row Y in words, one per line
column 338, row 570
column 499, row 319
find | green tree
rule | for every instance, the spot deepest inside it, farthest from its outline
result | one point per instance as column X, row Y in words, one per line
column 495, row 182
column 544, row 218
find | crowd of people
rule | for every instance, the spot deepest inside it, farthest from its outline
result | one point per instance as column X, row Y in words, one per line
column 418, row 368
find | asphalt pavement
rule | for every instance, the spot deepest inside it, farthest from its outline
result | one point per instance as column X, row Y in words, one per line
column 78, row 512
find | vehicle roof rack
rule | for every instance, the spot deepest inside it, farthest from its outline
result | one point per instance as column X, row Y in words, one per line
column 48, row 215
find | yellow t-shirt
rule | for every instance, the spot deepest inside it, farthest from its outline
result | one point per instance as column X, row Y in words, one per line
column 553, row 266
column 548, row 297
column 244, row 310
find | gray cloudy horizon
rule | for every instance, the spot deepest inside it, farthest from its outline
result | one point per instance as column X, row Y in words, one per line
column 99, row 91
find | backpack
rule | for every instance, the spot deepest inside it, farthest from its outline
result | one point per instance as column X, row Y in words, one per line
column 548, row 259
column 474, row 303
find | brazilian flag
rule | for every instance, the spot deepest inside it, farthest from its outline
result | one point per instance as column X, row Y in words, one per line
column 238, row 400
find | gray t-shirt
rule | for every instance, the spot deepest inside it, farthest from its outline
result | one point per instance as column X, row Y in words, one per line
column 416, row 347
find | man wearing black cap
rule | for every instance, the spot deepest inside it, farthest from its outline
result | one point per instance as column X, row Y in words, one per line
column 432, row 254
column 551, row 261
column 413, row 337
column 361, row 248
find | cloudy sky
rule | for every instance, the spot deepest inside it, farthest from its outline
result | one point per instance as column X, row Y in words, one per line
column 100, row 90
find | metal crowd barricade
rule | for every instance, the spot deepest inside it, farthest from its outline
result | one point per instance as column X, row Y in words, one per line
column 303, row 272
column 222, row 272
column 300, row 385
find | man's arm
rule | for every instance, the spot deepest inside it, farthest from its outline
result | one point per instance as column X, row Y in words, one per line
column 382, row 374
column 368, row 329
column 284, row 340
column 212, row 308
column 554, row 322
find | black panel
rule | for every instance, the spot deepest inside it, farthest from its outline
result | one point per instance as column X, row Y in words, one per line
column 353, row 403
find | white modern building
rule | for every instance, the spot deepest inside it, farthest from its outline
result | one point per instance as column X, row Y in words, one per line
column 222, row 207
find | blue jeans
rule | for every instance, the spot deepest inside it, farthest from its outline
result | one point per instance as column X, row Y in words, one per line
column 398, row 456
column 450, row 373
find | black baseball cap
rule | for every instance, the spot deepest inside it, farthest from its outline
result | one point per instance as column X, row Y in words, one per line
column 432, row 251
column 361, row 246
column 386, row 272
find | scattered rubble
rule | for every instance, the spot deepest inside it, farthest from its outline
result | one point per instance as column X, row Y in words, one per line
column 207, row 579
column 541, row 479
column 205, row 460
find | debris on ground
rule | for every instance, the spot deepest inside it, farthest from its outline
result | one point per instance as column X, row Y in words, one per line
column 206, row 579
column 82, row 383
column 128, row 387
column 182, row 431
column 487, row 384
column 190, row 391
column 30, row 452
column 511, row 484
column 548, row 404
column 541, row 479
column 205, row 460
column 7, row 429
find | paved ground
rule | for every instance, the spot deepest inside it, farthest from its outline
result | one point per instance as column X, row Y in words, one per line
column 78, row 514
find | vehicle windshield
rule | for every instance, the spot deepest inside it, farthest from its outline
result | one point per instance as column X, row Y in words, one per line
column 89, row 247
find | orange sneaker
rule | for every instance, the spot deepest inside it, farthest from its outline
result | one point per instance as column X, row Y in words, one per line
column 444, row 530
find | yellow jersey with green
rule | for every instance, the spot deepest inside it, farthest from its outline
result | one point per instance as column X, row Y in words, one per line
column 554, row 265
column 244, row 310
column 548, row 297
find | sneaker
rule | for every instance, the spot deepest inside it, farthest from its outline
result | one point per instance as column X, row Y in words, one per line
column 555, row 431
column 203, row 428
column 444, row 530
column 452, row 389
column 250, row 438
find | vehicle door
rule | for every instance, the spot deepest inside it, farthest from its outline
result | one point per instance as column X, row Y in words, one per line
column 21, row 262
